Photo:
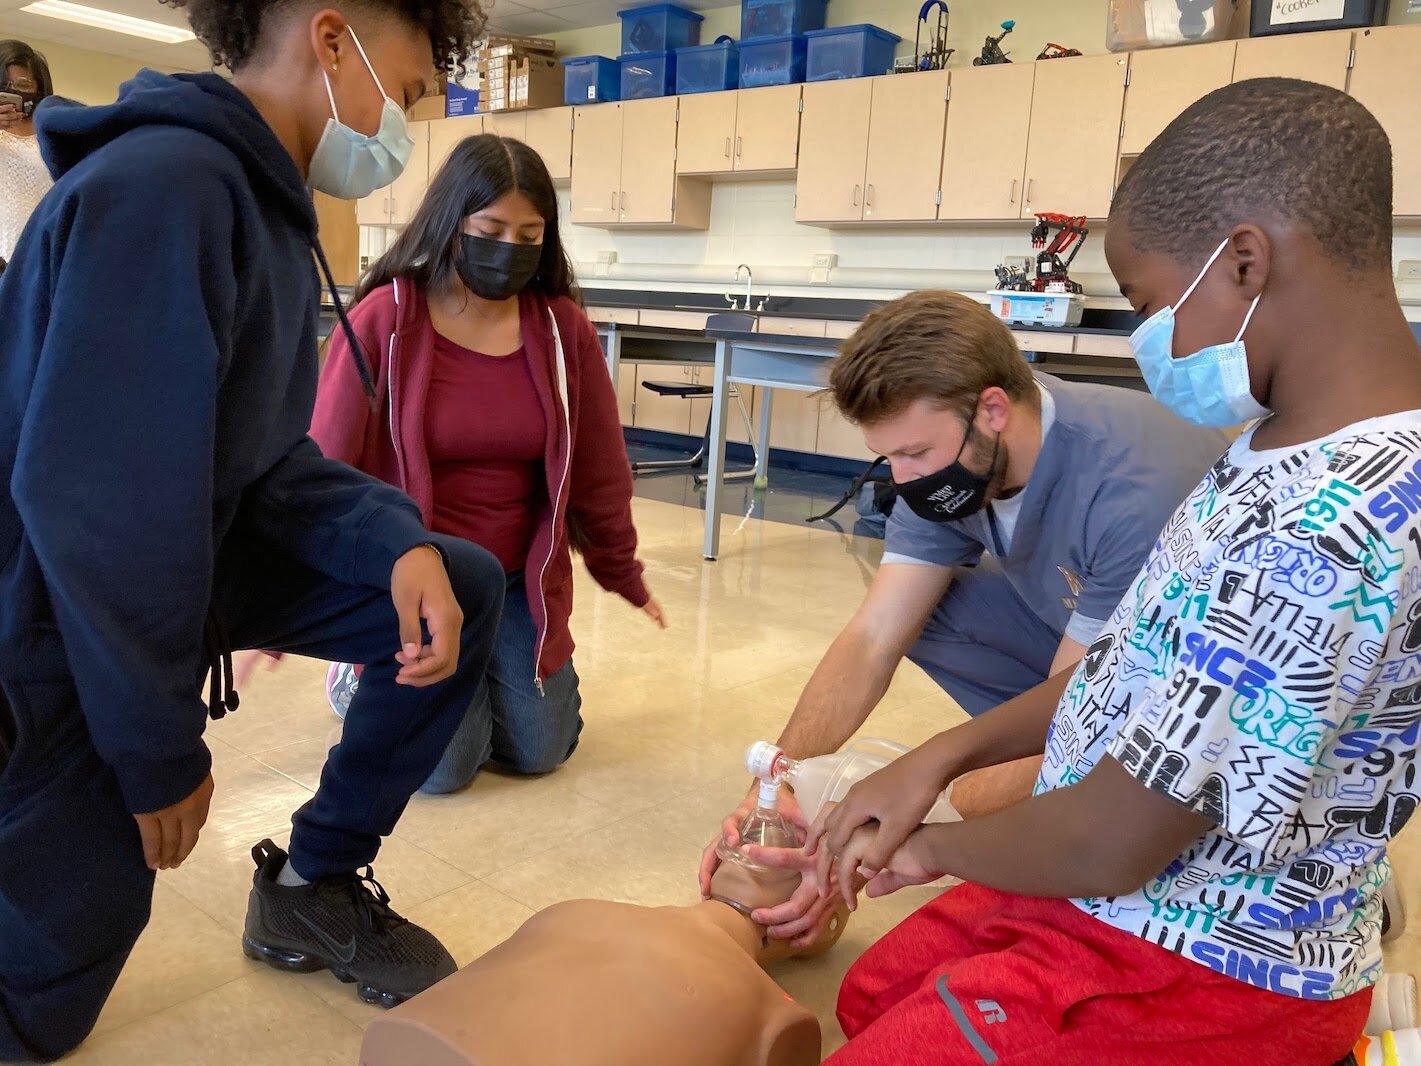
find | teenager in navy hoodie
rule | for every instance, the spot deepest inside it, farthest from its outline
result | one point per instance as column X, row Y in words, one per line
column 161, row 505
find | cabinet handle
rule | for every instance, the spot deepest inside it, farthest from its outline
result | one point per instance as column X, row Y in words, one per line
column 1012, row 198
column 624, row 199
column 739, row 147
column 614, row 199
column 1029, row 183
column 856, row 197
column 868, row 197
column 727, row 148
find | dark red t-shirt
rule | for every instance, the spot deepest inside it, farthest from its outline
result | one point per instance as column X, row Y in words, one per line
column 486, row 434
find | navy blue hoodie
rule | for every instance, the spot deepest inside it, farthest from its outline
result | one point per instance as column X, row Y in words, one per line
column 157, row 375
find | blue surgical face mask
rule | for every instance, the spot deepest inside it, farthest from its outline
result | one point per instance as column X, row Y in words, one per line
column 1210, row 387
column 350, row 165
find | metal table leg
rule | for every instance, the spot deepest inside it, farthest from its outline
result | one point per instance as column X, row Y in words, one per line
column 715, row 482
column 762, row 450
column 613, row 350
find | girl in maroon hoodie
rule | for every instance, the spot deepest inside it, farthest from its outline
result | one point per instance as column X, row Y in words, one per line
column 497, row 416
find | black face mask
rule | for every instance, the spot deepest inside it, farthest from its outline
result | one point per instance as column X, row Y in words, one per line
column 954, row 492
column 496, row 270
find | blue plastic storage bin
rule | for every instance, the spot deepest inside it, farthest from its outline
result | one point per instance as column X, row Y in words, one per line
column 708, row 68
column 648, row 74
column 773, row 61
column 591, row 80
column 659, row 28
column 776, row 18
column 849, row 52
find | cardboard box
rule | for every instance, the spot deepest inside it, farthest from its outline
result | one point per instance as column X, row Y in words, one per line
column 519, row 45
column 518, row 84
column 430, row 107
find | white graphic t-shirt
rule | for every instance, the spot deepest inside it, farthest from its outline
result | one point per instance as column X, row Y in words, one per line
column 1265, row 671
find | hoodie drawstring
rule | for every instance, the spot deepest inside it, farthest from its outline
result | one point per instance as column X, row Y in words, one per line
column 362, row 365
column 222, row 698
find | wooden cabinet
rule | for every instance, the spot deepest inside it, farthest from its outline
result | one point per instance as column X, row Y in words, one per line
column 395, row 205
column 448, row 132
column 984, row 148
column 905, row 147
column 1386, row 79
column 766, row 129
column 512, row 124
column 833, row 151
column 340, row 236
column 596, row 164
column 1073, row 147
column 838, row 436
column 751, row 131
column 707, row 142
column 670, row 414
column 549, row 133
column 1320, row 57
column 1162, row 82
column 624, row 168
column 794, row 418
column 627, row 384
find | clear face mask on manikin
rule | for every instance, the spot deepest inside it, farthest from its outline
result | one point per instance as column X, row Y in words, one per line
column 1211, row 387
column 350, row 165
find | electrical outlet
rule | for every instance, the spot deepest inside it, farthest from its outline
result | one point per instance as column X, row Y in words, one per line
column 825, row 261
column 1408, row 270
column 364, row 263
column 606, row 258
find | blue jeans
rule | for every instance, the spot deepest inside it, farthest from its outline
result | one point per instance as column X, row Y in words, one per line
column 983, row 644
column 509, row 722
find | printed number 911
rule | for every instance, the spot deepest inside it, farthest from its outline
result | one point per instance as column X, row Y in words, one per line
column 1324, row 505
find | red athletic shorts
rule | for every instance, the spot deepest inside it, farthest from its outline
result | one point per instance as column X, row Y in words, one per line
column 981, row 976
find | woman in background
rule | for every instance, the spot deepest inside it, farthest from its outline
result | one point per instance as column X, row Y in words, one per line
column 498, row 417
column 24, row 179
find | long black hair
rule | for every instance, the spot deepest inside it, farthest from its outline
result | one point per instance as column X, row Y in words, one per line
column 478, row 171
column 19, row 54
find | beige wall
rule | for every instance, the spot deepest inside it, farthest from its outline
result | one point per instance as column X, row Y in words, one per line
column 1073, row 23
column 89, row 77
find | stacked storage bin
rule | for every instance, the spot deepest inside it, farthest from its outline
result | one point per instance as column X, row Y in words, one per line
column 651, row 36
column 773, row 46
column 861, row 51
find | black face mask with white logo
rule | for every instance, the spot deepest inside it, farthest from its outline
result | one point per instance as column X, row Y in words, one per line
column 496, row 270
column 954, row 492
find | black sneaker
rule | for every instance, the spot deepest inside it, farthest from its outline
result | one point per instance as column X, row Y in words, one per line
column 343, row 924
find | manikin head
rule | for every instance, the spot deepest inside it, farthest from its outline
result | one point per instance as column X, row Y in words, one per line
column 934, row 381
column 752, row 888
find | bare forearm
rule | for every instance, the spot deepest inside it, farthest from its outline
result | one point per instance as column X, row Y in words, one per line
column 1044, row 846
column 845, row 688
column 1012, row 730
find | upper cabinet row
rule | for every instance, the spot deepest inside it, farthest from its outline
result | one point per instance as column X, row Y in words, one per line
column 979, row 143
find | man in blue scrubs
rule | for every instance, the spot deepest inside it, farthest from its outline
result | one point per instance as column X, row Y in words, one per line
column 1026, row 506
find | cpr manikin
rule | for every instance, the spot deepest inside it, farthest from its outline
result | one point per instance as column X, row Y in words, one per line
column 599, row 983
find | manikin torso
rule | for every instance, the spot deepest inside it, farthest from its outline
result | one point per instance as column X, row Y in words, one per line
column 594, row 983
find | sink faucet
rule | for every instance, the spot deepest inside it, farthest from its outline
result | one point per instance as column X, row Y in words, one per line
column 749, row 283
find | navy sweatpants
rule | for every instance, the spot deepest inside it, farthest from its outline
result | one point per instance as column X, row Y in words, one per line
column 74, row 889
column 983, row 644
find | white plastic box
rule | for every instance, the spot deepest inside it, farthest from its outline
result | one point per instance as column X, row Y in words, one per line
column 1037, row 308
column 1136, row 24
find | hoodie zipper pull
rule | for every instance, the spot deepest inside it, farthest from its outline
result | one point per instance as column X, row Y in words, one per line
column 538, row 683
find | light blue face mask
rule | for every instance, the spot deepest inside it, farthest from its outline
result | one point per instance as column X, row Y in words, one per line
column 350, row 165
column 1210, row 387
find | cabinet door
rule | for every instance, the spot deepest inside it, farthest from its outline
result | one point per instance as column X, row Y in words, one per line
column 628, row 382
column 706, row 137
column 1320, row 57
column 445, row 133
column 596, row 164
column 670, row 414
column 905, row 147
column 373, row 210
column 1074, row 146
column 984, row 149
column 1387, row 81
column 408, row 189
column 794, row 416
column 648, row 186
column 1164, row 81
column 512, row 124
column 838, row 436
column 550, row 135
column 340, row 236
column 767, row 128
column 833, row 151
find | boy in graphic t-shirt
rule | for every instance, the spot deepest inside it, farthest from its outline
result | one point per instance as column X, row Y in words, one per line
column 1197, row 877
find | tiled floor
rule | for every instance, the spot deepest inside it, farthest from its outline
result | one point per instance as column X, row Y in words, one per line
column 668, row 716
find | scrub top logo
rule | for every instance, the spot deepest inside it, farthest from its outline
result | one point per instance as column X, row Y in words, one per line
column 1074, row 583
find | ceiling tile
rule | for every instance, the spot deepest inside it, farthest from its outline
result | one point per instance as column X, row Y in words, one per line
column 587, row 12
column 532, row 24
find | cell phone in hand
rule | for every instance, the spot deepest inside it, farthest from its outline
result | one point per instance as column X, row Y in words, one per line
column 17, row 101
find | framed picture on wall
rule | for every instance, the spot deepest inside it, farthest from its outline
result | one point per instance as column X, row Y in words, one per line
column 1300, row 16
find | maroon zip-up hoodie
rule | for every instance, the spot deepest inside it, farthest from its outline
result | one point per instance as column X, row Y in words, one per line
column 588, row 476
